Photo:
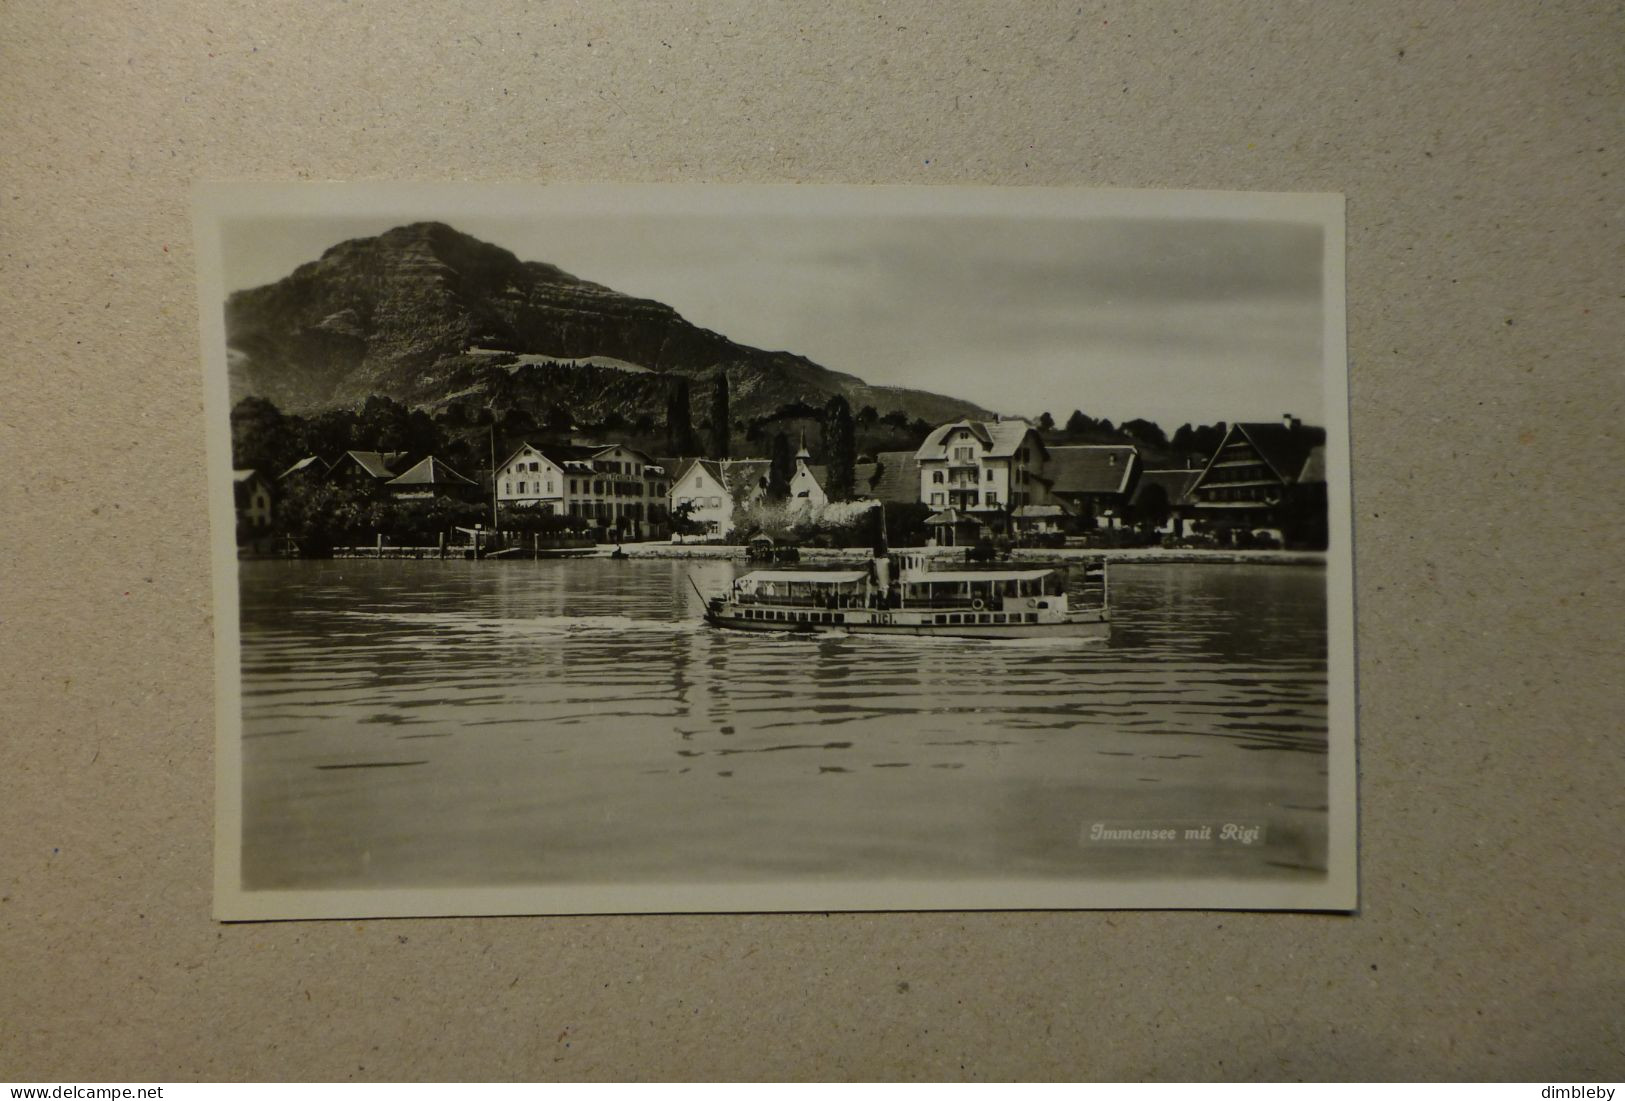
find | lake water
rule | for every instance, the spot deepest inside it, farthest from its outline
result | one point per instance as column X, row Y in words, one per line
column 415, row 724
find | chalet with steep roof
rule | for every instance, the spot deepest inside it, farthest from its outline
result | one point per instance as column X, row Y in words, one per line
column 429, row 478
column 1096, row 480
column 1252, row 483
column 366, row 470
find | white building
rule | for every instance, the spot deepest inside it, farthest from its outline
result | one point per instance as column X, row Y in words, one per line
column 619, row 491
column 975, row 474
column 715, row 488
column 807, row 483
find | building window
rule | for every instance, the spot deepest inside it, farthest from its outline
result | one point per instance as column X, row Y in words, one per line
column 507, row 487
column 716, row 502
column 936, row 478
column 990, row 473
column 521, row 489
column 936, row 499
column 992, row 499
column 550, row 486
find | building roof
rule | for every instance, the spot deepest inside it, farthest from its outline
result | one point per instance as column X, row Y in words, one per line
column 738, row 475
column 1175, row 484
column 377, row 464
column 893, row 476
column 1091, row 468
column 1285, row 449
column 1040, row 512
column 1000, row 439
column 819, row 577
column 244, row 476
column 559, row 454
column 431, row 472
column 949, row 516
column 1314, row 468
column 309, row 462
column 820, row 474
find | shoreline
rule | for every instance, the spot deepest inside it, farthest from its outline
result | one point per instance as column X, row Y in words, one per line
column 1027, row 554
column 718, row 552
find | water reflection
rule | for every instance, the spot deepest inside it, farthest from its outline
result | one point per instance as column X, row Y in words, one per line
column 438, row 723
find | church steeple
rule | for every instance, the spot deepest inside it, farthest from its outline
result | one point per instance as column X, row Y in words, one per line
column 803, row 454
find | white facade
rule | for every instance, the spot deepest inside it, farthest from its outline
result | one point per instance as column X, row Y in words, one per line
column 804, row 485
column 979, row 466
column 716, row 489
column 613, row 487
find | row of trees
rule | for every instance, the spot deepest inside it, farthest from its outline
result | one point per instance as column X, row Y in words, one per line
column 318, row 515
column 1193, row 441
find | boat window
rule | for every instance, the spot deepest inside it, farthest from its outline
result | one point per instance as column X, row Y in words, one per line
column 1032, row 617
column 942, row 619
column 999, row 618
column 840, row 617
column 984, row 618
column 953, row 619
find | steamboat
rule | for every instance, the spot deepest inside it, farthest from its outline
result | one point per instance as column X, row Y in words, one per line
column 903, row 595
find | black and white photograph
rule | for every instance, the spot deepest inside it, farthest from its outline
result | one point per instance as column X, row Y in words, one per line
column 658, row 548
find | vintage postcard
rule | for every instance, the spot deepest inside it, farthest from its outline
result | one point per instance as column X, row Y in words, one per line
column 594, row 549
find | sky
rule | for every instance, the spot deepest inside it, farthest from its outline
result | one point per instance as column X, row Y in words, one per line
column 1170, row 319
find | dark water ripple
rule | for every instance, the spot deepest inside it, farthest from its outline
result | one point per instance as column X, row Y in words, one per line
column 565, row 717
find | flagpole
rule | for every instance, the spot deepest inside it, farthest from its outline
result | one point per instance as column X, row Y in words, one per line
column 493, row 429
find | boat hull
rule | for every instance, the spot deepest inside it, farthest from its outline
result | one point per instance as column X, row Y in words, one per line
column 1080, row 627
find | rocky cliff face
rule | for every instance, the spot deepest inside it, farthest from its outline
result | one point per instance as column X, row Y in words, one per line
column 431, row 316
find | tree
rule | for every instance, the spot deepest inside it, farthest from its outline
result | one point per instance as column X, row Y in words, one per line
column 1077, row 423
column 896, row 418
column 867, row 416
column 1046, row 423
column 262, row 438
column 1151, row 509
column 719, row 416
column 679, row 431
column 1147, row 432
column 518, row 422
column 558, row 419
column 840, row 445
column 781, row 469
column 683, row 522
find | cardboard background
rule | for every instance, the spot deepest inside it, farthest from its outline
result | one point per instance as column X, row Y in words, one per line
column 1479, row 150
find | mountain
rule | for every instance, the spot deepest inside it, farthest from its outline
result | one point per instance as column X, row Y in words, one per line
column 436, row 318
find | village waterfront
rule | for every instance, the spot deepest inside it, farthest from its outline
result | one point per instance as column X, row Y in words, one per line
column 451, row 722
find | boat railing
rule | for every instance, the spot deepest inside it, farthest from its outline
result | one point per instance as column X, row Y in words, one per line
column 839, row 600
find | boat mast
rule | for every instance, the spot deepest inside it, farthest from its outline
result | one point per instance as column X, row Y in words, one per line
column 494, row 521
